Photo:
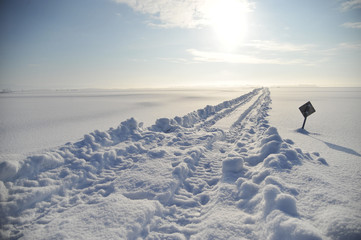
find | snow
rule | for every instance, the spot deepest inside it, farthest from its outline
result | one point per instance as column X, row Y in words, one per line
column 237, row 169
column 57, row 117
column 329, row 196
column 239, row 112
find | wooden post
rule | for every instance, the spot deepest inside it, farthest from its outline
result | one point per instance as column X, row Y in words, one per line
column 304, row 122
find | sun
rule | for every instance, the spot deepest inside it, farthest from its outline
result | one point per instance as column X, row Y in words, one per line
column 229, row 21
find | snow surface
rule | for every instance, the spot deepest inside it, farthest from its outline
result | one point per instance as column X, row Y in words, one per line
column 32, row 121
column 220, row 172
column 329, row 196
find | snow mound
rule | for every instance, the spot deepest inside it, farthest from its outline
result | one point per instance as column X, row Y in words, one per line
column 232, row 164
column 181, row 178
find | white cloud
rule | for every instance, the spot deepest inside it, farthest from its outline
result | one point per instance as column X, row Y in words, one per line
column 176, row 13
column 218, row 57
column 278, row 47
column 352, row 25
column 351, row 4
column 332, row 52
column 258, row 52
column 355, row 46
column 175, row 60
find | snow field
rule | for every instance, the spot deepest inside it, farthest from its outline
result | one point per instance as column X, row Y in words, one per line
column 182, row 178
column 57, row 117
column 328, row 196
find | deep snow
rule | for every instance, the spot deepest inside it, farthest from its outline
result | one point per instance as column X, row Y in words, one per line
column 220, row 172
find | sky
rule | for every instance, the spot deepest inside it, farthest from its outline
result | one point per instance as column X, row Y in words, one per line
column 71, row 44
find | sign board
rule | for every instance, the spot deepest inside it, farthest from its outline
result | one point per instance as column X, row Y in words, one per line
column 307, row 109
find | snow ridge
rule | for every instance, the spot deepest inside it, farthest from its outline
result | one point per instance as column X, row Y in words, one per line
column 204, row 117
column 181, row 178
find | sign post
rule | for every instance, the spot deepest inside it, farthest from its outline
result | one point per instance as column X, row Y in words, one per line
column 304, row 122
column 306, row 109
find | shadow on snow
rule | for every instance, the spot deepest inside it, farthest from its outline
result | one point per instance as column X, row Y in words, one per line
column 330, row 145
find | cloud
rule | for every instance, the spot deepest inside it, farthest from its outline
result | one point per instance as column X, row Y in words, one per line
column 352, row 25
column 332, row 52
column 175, row 60
column 219, row 57
column 355, row 46
column 351, row 4
column 278, row 47
column 258, row 52
column 176, row 13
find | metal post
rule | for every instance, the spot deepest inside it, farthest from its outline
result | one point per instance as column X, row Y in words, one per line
column 304, row 122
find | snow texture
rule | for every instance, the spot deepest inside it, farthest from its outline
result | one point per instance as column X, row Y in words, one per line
column 181, row 178
column 57, row 117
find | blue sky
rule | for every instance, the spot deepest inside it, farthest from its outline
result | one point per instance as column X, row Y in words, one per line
column 171, row 43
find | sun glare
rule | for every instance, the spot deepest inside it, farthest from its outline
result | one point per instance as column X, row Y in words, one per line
column 229, row 21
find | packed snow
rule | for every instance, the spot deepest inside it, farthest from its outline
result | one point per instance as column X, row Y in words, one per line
column 239, row 169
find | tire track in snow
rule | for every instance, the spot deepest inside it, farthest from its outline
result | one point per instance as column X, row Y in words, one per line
column 238, row 114
column 199, row 189
column 181, row 178
column 230, row 178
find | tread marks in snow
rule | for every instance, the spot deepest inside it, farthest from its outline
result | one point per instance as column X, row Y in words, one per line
column 209, row 174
